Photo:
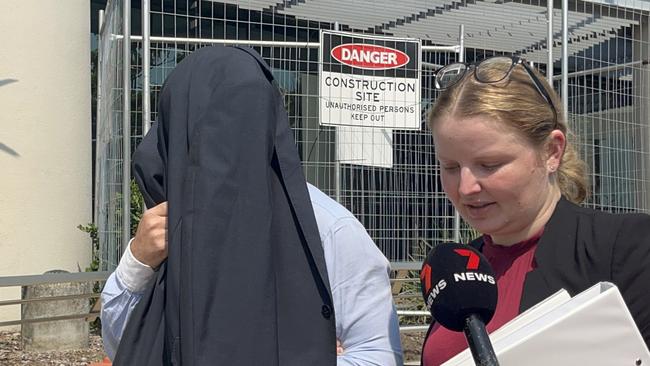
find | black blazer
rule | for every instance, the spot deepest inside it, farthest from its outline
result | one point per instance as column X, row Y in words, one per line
column 245, row 281
column 581, row 247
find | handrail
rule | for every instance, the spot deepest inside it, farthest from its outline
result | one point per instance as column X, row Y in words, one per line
column 50, row 278
column 29, row 280
column 50, row 298
column 396, row 266
column 88, row 316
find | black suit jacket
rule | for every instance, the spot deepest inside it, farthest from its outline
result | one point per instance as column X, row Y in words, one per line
column 581, row 247
column 245, row 281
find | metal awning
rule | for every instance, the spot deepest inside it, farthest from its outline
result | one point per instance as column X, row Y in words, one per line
column 512, row 27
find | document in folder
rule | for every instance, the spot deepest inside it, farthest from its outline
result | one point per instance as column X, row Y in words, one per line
column 593, row 328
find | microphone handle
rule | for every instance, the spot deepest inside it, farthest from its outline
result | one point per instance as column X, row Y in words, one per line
column 479, row 342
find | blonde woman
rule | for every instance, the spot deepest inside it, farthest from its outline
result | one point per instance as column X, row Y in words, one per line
column 510, row 170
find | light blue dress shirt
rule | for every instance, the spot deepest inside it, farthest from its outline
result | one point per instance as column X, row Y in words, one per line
column 366, row 321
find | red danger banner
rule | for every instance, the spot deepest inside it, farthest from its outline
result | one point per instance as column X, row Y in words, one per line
column 369, row 57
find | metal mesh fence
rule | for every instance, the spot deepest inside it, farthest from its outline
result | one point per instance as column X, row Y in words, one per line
column 608, row 102
column 402, row 204
column 109, row 160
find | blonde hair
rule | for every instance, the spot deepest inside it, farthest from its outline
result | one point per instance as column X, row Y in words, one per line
column 516, row 103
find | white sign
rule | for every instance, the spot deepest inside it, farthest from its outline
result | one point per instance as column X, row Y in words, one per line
column 365, row 146
column 369, row 81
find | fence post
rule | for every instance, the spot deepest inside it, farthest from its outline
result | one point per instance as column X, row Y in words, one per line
column 126, row 126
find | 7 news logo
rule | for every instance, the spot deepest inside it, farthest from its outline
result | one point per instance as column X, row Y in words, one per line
column 432, row 291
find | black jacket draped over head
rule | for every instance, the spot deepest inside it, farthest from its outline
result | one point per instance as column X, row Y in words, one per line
column 245, row 282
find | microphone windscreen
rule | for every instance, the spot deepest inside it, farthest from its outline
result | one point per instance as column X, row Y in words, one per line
column 458, row 281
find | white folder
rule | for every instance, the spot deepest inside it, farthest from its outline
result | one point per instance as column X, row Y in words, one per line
column 593, row 328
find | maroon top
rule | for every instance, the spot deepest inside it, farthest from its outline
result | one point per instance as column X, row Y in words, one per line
column 510, row 264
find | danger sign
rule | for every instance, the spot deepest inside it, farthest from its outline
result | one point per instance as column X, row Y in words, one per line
column 369, row 81
column 369, row 56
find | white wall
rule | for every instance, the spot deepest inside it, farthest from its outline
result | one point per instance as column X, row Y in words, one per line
column 45, row 144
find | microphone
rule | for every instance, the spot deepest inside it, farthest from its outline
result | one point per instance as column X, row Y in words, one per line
column 460, row 291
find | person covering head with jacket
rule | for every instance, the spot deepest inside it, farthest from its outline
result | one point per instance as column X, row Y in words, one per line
column 238, row 261
column 508, row 165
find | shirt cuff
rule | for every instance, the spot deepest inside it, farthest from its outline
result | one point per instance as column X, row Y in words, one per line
column 134, row 274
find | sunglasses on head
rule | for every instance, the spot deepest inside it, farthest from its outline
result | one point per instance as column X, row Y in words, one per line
column 489, row 71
